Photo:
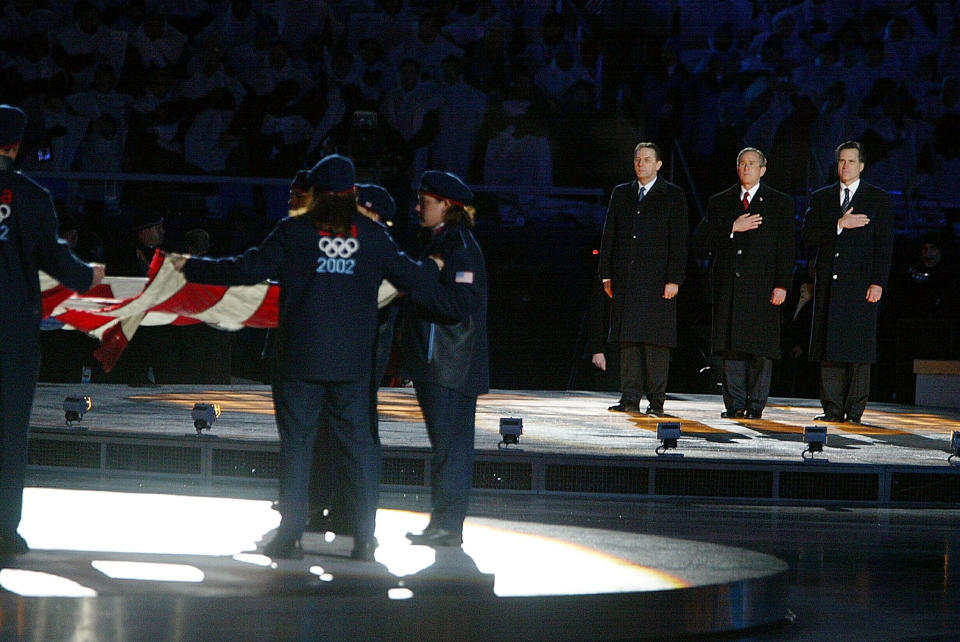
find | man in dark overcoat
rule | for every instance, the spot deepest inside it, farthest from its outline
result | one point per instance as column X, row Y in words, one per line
column 851, row 225
column 749, row 231
column 643, row 253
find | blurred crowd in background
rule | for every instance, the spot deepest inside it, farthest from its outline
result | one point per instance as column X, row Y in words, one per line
column 524, row 99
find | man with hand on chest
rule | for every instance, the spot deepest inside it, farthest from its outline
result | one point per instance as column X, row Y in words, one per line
column 851, row 225
column 749, row 232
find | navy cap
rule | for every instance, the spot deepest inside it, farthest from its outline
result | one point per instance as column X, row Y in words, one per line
column 377, row 199
column 12, row 123
column 333, row 173
column 301, row 179
column 446, row 186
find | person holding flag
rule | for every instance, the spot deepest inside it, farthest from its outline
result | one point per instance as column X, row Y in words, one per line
column 444, row 351
column 28, row 243
column 329, row 263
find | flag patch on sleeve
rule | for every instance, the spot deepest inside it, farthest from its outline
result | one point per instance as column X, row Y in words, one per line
column 464, row 277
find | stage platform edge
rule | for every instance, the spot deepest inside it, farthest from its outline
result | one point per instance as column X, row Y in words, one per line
column 572, row 448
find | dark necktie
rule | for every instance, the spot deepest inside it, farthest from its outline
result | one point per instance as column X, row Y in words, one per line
column 746, row 201
column 640, row 194
column 846, row 201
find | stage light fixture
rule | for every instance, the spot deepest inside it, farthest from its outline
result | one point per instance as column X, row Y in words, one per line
column 955, row 447
column 510, row 430
column 74, row 408
column 203, row 415
column 816, row 438
column 668, row 432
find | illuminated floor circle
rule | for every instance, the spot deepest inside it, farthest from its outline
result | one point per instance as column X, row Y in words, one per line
column 105, row 545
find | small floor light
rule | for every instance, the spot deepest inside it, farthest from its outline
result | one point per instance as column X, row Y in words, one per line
column 74, row 408
column 955, row 447
column 203, row 415
column 668, row 432
column 815, row 437
column 510, row 430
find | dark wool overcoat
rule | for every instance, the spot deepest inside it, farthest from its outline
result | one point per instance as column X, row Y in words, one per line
column 844, row 323
column 644, row 247
column 745, row 269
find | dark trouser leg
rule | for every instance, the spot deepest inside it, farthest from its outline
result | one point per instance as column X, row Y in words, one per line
column 656, row 362
column 18, row 381
column 328, row 476
column 631, row 373
column 734, row 387
column 449, row 416
column 759, row 371
column 387, row 321
column 858, row 389
column 349, row 417
column 330, row 470
column 298, row 406
column 833, row 387
column 324, row 460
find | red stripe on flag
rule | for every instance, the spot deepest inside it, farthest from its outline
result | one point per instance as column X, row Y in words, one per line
column 112, row 345
column 83, row 320
column 155, row 263
column 54, row 297
column 100, row 291
column 266, row 315
column 191, row 299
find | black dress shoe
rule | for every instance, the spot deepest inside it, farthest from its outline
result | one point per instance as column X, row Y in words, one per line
column 733, row 414
column 12, row 544
column 625, row 407
column 363, row 550
column 283, row 548
column 436, row 537
column 754, row 414
column 655, row 411
column 854, row 420
column 828, row 417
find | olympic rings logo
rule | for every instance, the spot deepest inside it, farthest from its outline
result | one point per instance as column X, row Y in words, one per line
column 339, row 247
column 4, row 211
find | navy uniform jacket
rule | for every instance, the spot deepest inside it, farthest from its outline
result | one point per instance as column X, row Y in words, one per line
column 328, row 292
column 747, row 268
column 844, row 322
column 444, row 337
column 28, row 243
column 644, row 247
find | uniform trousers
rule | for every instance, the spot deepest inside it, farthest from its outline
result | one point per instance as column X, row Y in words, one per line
column 329, row 492
column 450, row 417
column 342, row 410
column 18, row 382
column 746, row 382
column 643, row 369
column 844, row 388
column 327, row 477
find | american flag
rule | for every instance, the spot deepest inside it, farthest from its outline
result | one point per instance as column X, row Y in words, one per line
column 112, row 311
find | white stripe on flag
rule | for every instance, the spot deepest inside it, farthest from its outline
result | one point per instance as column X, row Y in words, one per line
column 237, row 305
